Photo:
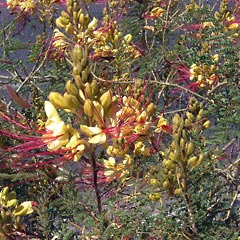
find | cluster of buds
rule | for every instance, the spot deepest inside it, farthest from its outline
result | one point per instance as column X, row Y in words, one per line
column 203, row 74
column 22, row 5
column 106, row 41
column 120, row 124
column 230, row 21
column 109, row 41
column 156, row 12
column 12, row 211
column 76, row 23
column 80, row 65
column 184, row 153
column 115, row 170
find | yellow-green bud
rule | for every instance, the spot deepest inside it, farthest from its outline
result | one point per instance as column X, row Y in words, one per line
column 192, row 161
column 206, row 124
column 69, row 28
column 189, row 149
column 77, row 53
column 71, row 101
column 155, row 196
column 57, row 100
column 106, row 100
column 71, row 88
column 177, row 191
column 88, row 107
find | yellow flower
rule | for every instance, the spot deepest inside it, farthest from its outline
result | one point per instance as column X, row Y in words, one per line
column 161, row 122
column 114, row 170
column 140, row 148
column 56, row 127
column 207, row 24
column 23, row 209
column 77, row 146
column 95, row 134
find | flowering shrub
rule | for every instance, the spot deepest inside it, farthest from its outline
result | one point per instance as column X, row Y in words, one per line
column 133, row 120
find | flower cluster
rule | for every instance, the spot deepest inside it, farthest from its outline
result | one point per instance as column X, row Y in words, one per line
column 23, row 5
column 12, row 211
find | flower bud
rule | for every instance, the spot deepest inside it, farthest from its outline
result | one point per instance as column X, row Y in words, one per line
column 71, row 101
column 71, row 88
column 128, row 38
column 77, row 53
column 206, row 124
column 69, row 28
column 57, row 100
column 233, row 26
column 177, row 191
column 93, row 24
column 189, row 149
column 192, row 161
column 155, row 196
column 61, row 22
column 88, row 107
column 105, row 100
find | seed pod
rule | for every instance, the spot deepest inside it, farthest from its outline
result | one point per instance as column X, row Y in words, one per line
column 116, row 39
column 200, row 114
column 176, row 156
column 184, row 134
column 69, row 9
column 188, row 122
column 75, row 6
column 83, row 62
column 64, row 20
column 81, row 19
column 176, row 120
column 88, row 107
column 57, row 100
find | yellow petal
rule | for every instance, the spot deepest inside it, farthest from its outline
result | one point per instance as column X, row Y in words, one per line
column 51, row 111
column 98, row 139
column 90, row 131
column 109, row 172
column 23, row 209
column 110, row 163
